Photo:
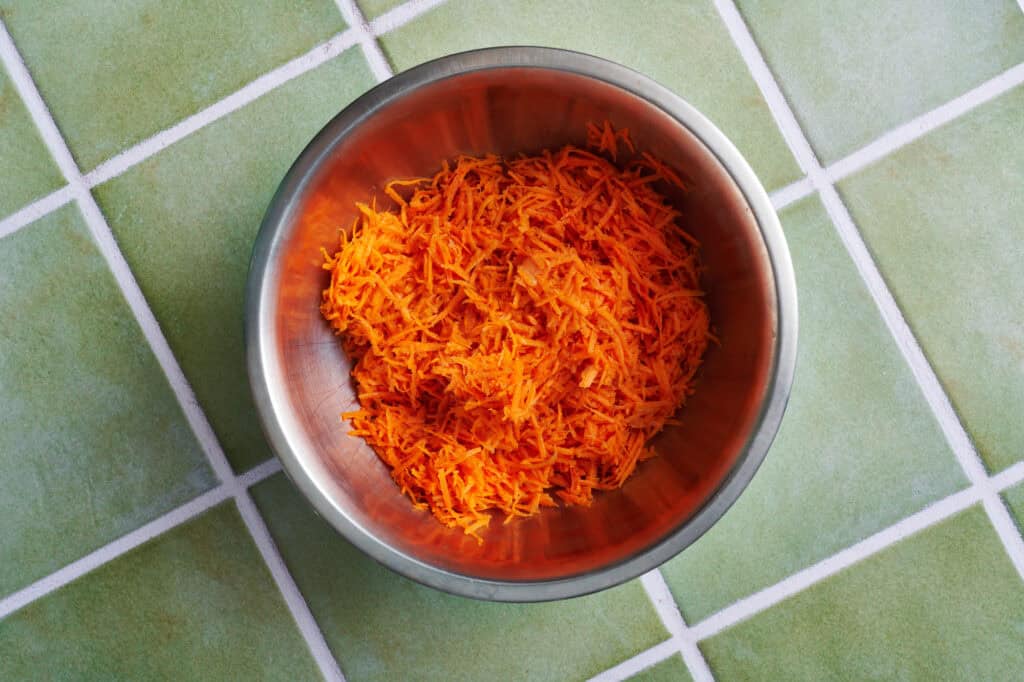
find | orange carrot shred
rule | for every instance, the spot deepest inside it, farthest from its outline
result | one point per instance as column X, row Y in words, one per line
column 520, row 327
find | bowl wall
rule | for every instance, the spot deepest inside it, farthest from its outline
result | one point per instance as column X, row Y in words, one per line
column 519, row 103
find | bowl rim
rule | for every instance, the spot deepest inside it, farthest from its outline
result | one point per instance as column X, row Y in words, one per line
column 259, row 325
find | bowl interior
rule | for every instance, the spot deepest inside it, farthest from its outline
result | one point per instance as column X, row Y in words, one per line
column 508, row 111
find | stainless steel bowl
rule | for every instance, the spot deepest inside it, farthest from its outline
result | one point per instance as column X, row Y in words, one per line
column 511, row 100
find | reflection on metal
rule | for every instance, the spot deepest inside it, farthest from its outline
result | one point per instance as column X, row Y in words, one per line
column 510, row 100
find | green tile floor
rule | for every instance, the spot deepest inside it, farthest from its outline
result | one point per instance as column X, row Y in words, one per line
column 111, row 99
column 28, row 172
column 907, row 613
column 853, row 70
column 188, row 243
column 368, row 614
column 94, row 443
column 672, row 669
column 687, row 49
column 862, row 549
column 195, row 603
column 811, row 498
column 951, row 249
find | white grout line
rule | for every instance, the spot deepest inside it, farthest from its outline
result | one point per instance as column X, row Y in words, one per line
column 331, row 48
column 286, row 584
column 320, row 54
column 108, row 248
column 642, row 661
column 1007, row 478
column 151, row 330
column 954, row 431
column 924, row 124
column 402, row 15
column 34, row 211
column 371, row 49
column 668, row 611
column 379, row 65
column 158, row 526
column 1007, row 530
column 764, row 599
column 360, row 32
column 664, row 603
column 777, row 104
column 923, row 373
column 111, row 551
column 204, row 432
column 894, row 139
column 259, row 473
column 684, row 639
column 33, row 102
column 791, row 193
column 801, row 580
column 929, row 516
column 957, row 437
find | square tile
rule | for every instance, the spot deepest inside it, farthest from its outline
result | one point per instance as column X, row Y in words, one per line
column 28, row 172
column 944, row 219
column 93, row 442
column 858, row 449
column 683, row 45
column 197, row 603
column 135, row 68
column 945, row 604
column 672, row 669
column 853, row 70
column 382, row 626
column 186, row 220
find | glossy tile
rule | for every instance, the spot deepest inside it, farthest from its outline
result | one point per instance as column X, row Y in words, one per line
column 186, row 220
column 381, row 626
column 93, row 443
column 195, row 603
column 858, row 449
column 135, row 68
column 27, row 171
column 945, row 604
column 683, row 45
column 853, row 70
column 944, row 219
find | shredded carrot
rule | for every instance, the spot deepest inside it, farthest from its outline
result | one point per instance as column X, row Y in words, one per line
column 520, row 327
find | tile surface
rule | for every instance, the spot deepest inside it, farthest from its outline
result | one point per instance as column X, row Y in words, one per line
column 672, row 669
column 686, row 49
column 134, row 68
column 945, row 604
column 853, row 69
column 92, row 442
column 196, row 603
column 944, row 219
column 381, row 626
column 27, row 171
column 186, row 220
column 1015, row 500
column 374, row 8
column 857, row 451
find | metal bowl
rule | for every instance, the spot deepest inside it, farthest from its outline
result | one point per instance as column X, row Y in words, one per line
column 511, row 100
